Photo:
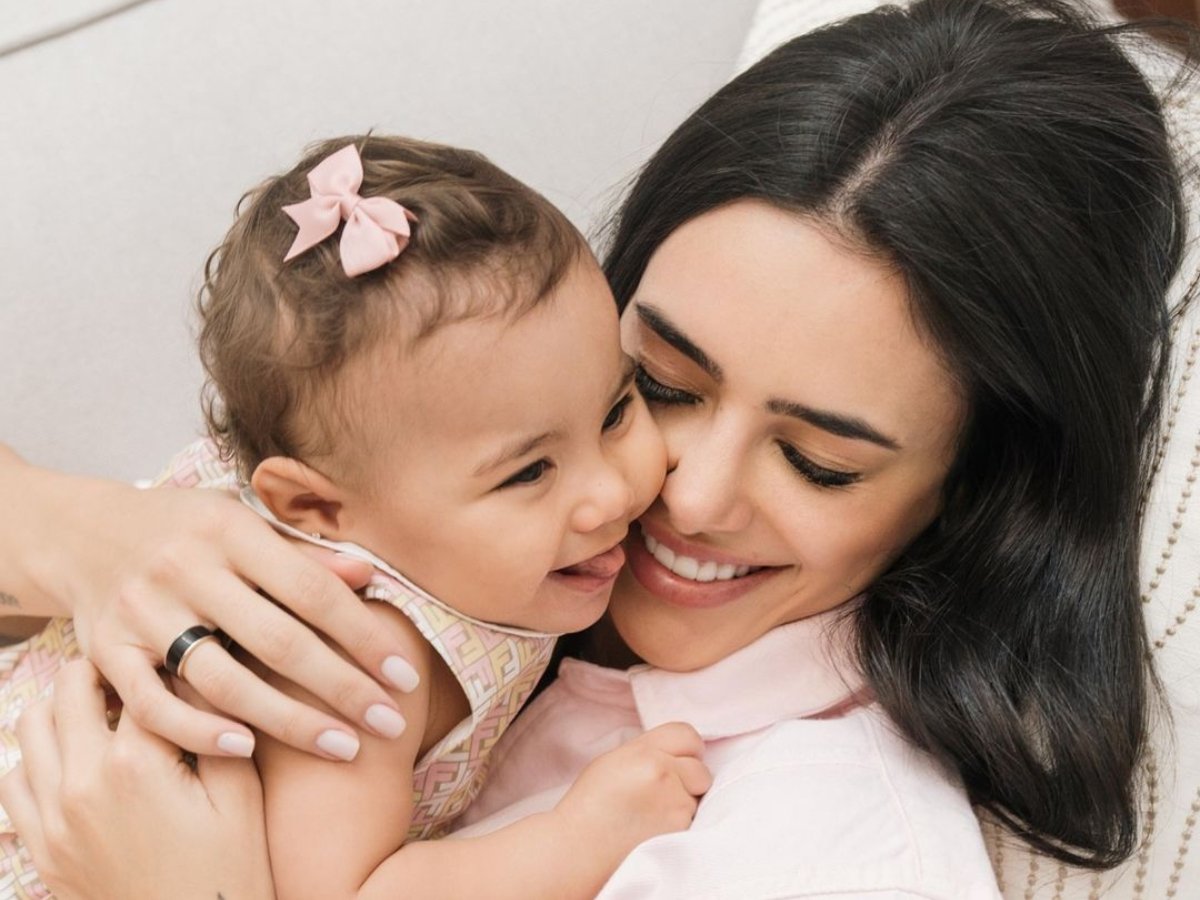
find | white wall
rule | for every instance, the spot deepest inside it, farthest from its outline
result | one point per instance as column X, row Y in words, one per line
column 126, row 145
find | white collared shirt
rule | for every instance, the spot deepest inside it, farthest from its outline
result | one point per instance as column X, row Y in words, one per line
column 814, row 794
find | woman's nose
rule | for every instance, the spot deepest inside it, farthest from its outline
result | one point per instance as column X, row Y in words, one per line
column 608, row 497
column 705, row 490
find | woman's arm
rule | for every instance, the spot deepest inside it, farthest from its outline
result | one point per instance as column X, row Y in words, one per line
column 136, row 567
column 26, row 572
column 119, row 816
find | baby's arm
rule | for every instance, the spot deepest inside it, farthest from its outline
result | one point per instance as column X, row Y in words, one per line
column 647, row 787
column 330, row 824
column 337, row 830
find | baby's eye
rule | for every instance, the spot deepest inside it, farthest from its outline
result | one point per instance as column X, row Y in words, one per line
column 616, row 415
column 531, row 474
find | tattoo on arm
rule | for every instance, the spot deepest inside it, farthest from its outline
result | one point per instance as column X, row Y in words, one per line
column 9, row 600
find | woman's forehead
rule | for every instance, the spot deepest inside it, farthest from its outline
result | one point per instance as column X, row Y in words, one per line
column 787, row 312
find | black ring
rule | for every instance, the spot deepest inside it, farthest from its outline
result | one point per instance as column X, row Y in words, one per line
column 180, row 646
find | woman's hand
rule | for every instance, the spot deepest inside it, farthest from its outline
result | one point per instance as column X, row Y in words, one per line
column 137, row 567
column 120, row 816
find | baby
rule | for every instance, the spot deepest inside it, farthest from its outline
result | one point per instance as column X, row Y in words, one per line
column 413, row 358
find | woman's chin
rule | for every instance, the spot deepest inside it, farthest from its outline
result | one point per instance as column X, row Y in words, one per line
column 667, row 637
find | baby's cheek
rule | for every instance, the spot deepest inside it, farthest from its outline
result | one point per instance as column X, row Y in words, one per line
column 642, row 463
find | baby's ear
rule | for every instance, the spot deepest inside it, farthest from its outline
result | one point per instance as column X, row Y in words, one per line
column 300, row 496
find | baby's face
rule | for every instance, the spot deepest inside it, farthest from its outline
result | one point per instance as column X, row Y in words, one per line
column 508, row 459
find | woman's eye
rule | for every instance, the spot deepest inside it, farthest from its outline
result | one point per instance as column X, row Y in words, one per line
column 818, row 475
column 654, row 391
column 531, row 474
column 616, row 415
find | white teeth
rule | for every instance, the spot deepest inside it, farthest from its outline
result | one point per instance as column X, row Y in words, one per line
column 693, row 569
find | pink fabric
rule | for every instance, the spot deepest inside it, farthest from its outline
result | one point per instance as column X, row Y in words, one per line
column 376, row 229
column 814, row 795
column 27, row 673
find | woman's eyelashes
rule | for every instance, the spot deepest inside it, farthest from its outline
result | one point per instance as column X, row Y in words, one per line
column 654, row 391
column 818, row 475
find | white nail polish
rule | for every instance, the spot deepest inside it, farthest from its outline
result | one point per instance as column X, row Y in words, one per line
column 400, row 674
column 385, row 721
column 338, row 744
column 235, row 744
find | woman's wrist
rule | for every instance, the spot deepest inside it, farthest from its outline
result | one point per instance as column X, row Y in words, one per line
column 36, row 500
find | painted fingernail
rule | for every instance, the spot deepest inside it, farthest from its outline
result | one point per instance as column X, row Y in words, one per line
column 236, row 744
column 385, row 721
column 338, row 744
column 400, row 674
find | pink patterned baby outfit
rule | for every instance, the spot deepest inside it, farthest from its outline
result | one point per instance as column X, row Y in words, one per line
column 496, row 666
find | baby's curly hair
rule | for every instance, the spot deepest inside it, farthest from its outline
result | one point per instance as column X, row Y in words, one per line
column 273, row 335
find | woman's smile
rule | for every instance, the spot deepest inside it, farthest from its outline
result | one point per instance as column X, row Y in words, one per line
column 682, row 573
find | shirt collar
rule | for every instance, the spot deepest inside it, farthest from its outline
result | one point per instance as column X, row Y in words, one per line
column 799, row 670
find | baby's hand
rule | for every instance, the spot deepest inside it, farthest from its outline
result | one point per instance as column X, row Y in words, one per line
column 649, row 786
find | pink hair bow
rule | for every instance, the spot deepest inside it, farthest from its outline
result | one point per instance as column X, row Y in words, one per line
column 376, row 229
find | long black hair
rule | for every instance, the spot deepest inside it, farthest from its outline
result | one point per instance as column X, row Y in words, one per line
column 1011, row 162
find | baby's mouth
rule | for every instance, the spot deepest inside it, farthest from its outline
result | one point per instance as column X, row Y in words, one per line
column 602, row 565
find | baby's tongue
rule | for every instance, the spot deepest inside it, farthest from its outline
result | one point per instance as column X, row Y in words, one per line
column 602, row 565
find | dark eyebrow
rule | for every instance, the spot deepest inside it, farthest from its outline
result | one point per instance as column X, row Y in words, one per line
column 653, row 319
column 834, row 423
column 515, row 450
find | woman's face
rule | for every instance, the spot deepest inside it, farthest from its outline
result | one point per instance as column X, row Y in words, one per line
column 809, row 428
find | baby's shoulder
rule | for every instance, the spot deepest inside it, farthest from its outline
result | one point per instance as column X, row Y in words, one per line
column 445, row 703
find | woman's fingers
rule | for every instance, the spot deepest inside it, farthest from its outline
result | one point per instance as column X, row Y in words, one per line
column 230, row 686
column 287, row 646
column 40, row 751
column 202, row 574
column 127, row 797
column 305, row 586
column 80, row 712
column 145, row 698
column 16, row 796
column 355, row 573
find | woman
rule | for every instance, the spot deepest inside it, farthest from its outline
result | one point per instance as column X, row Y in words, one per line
column 897, row 293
